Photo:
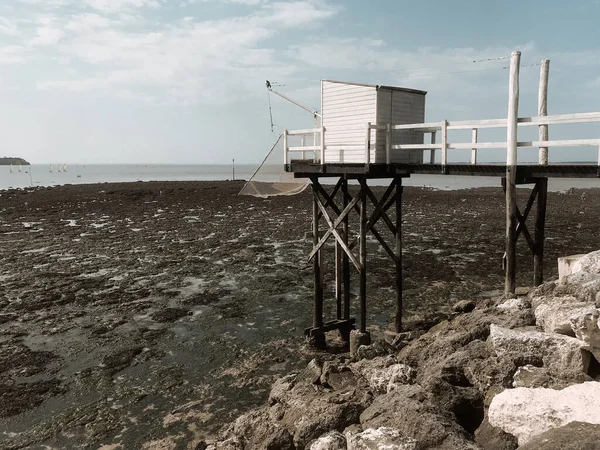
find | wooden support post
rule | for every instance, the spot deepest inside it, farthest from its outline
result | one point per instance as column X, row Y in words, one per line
column 398, row 251
column 543, row 109
column 345, row 260
column 444, row 145
column 511, row 176
column 318, row 340
column 432, row 151
column 285, row 147
column 363, row 256
column 338, row 280
column 540, row 225
column 474, row 150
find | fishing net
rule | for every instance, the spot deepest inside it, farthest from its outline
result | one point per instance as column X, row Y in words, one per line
column 270, row 179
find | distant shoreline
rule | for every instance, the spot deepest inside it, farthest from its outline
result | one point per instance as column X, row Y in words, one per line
column 8, row 160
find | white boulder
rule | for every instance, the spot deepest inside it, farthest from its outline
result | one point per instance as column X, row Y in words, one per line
column 556, row 351
column 587, row 328
column 555, row 315
column 589, row 263
column 527, row 412
column 383, row 438
column 334, row 440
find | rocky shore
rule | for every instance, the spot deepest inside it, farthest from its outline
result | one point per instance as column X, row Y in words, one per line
column 496, row 375
column 147, row 315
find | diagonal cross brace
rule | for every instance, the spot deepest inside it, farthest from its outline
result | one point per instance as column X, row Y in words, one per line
column 333, row 229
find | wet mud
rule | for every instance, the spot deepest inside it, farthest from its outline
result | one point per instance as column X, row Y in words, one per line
column 146, row 315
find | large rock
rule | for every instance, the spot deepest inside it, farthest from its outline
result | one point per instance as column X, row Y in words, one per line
column 532, row 377
column 587, row 329
column 589, row 263
column 408, row 410
column 555, row 351
column 334, row 440
column 573, row 436
column 525, row 412
column 310, row 411
column 493, row 438
column 554, row 315
column 383, row 438
column 383, row 373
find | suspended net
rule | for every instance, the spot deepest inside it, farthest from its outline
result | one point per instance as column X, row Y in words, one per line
column 270, row 179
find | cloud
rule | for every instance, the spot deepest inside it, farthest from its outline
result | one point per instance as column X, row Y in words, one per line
column 115, row 6
column 187, row 60
column 8, row 27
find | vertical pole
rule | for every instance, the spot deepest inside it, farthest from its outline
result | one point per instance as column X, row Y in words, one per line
column 444, row 145
column 474, row 150
column 233, row 168
column 398, row 249
column 543, row 109
column 285, row 147
column 345, row 259
column 388, row 144
column 338, row 280
column 318, row 289
column 432, row 151
column 363, row 256
column 511, row 175
column 540, row 225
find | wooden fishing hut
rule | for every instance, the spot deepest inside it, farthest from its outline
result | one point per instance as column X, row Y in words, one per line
column 372, row 132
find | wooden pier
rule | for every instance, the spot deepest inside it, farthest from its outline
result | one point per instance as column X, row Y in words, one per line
column 333, row 205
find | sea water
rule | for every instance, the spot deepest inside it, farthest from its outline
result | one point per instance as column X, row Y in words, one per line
column 43, row 175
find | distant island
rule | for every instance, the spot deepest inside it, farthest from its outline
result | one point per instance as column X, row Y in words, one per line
column 7, row 160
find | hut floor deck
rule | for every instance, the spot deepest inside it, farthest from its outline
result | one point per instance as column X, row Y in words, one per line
column 304, row 168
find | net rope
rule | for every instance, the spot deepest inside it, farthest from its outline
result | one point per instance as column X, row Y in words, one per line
column 270, row 179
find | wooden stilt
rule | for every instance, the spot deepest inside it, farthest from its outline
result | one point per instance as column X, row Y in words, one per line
column 363, row 257
column 338, row 281
column 345, row 260
column 540, row 225
column 511, row 175
column 318, row 338
column 398, row 249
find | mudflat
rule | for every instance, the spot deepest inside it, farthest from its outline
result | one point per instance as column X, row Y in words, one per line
column 146, row 315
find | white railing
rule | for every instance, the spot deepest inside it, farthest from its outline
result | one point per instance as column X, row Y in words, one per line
column 317, row 136
column 475, row 125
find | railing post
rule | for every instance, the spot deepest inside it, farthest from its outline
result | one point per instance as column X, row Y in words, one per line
column 388, row 144
column 285, row 147
column 444, row 145
column 543, row 109
column 511, row 175
column 368, row 145
column 432, row 151
column 474, row 150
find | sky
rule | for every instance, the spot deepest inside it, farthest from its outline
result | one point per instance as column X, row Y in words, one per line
column 183, row 81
